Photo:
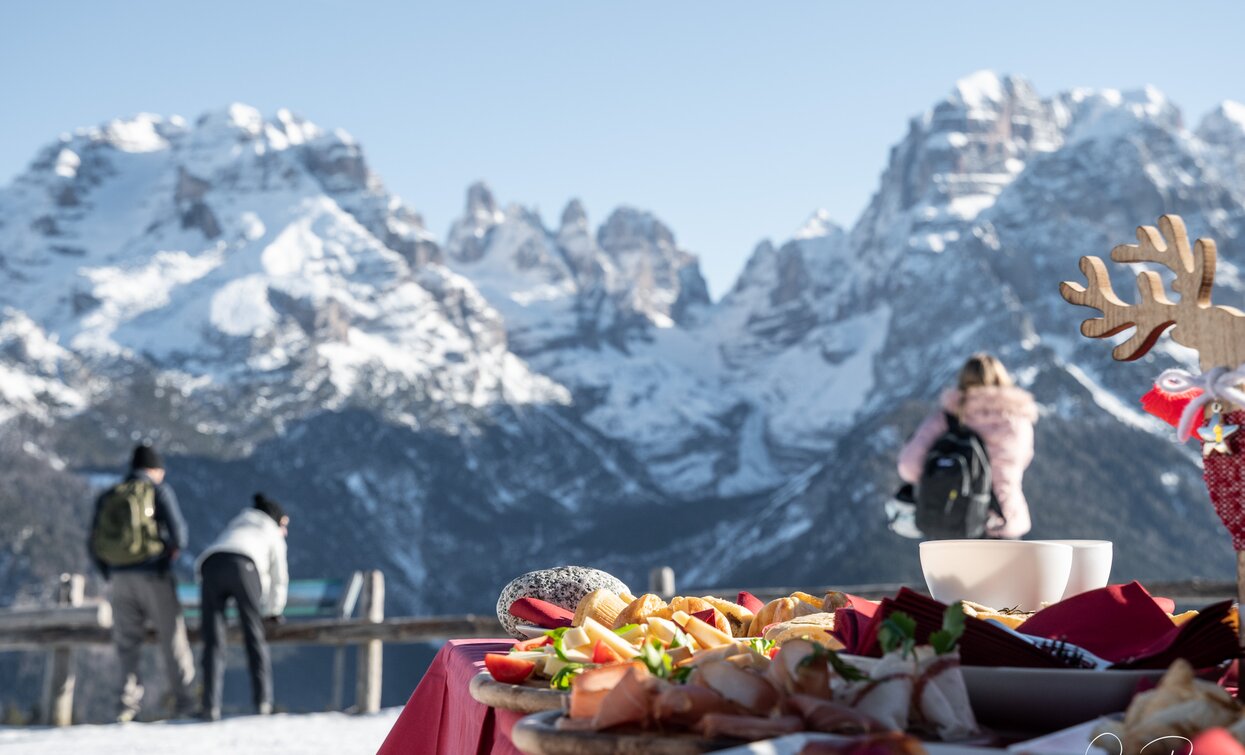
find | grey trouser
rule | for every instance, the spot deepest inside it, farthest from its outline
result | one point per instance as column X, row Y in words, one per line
column 140, row 598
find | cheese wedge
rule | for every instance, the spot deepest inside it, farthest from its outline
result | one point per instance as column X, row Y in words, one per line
column 662, row 629
column 598, row 633
column 575, row 638
column 707, row 636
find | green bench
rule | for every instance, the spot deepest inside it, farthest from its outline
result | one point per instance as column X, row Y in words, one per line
column 308, row 598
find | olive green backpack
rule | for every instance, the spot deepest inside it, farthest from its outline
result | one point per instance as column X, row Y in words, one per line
column 126, row 532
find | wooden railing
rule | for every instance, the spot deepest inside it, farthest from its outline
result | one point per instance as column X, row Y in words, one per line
column 75, row 621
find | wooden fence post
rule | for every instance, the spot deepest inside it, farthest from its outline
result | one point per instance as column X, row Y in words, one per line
column 58, row 676
column 367, row 693
column 339, row 676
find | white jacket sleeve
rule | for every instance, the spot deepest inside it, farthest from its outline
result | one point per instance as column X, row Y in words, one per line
column 280, row 578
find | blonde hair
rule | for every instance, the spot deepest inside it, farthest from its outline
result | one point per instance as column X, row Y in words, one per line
column 983, row 370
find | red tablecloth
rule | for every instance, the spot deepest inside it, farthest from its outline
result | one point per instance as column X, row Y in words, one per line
column 441, row 718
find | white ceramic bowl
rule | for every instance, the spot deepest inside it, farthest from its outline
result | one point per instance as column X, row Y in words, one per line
column 996, row 573
column 1091, row 565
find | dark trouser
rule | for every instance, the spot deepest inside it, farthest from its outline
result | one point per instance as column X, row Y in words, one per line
column 225, row 576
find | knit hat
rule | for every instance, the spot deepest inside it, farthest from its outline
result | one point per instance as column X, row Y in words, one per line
column 269, row 507
column 146, row 457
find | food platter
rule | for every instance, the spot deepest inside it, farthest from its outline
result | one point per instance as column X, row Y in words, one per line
column 792, row 744
column 538, row 734
column 521, row 698
column 1012, row 699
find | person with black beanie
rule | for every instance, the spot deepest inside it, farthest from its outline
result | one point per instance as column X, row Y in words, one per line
column 246, row 564
column 136, row 533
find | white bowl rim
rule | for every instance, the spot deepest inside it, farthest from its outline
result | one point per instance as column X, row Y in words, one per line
column 1040, row 544
column 1077, row 543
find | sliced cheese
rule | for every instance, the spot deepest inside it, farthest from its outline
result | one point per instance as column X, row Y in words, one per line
column 706, row 635
column 598, row 633
column 575, row 638
column 663, row 629
column 578, row 656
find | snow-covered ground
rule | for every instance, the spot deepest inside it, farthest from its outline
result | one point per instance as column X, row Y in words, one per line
column 310, row 734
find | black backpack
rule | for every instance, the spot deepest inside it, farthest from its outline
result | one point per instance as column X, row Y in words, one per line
column 955, row 496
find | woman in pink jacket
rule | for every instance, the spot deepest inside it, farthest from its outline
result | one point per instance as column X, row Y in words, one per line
column 989, row 403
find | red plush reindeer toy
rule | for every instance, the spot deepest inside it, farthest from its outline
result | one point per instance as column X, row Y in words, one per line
column 1210, row 405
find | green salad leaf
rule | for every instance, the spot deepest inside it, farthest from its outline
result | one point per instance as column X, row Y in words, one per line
column 557, row 635
column 898, row 633
column 681, row 638
column 562, row 679
column 625, row 628
column 761, row 645
column 945, row 639
column 658, row 661
column 844, row 669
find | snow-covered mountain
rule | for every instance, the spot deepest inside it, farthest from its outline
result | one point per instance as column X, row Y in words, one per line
column 247, row 292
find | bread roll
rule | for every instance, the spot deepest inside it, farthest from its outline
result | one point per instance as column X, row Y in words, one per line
column 602, row 605
column 777, row 611
column 834, row 601
column 640, row 609
column 815, row 627
column 739, row 618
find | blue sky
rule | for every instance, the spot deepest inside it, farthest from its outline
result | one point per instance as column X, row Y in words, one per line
column 731, row 121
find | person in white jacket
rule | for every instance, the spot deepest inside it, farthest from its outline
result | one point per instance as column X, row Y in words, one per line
column 246, row 563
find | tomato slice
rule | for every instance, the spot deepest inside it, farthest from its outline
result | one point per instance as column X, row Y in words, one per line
column 507, row 669
column 533, row 643
column 603, row 654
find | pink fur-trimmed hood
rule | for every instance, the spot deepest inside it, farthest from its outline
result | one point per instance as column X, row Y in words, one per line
column 1004, row 418
column 992, row 400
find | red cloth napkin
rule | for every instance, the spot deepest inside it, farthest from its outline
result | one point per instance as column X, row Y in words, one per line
column 1120, row 623
column 1116, row 622
column 852, row 621
column 1215, row 741
column 541, row 613
column 1124, row 624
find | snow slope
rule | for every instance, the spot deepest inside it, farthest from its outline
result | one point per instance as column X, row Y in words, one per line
column 306, row 734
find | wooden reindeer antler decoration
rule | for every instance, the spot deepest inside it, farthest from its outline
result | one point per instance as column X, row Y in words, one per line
column 1218, row 335
column 1216, row 332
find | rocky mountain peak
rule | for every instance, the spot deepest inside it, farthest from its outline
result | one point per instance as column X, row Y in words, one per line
column 466, row 241
column 480, row 202
column 1224, row 126
column 628, row 228
column 819, row 224
column 664, row 281
column 574, row 217
column 1109, row 114
column 1223, row 131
